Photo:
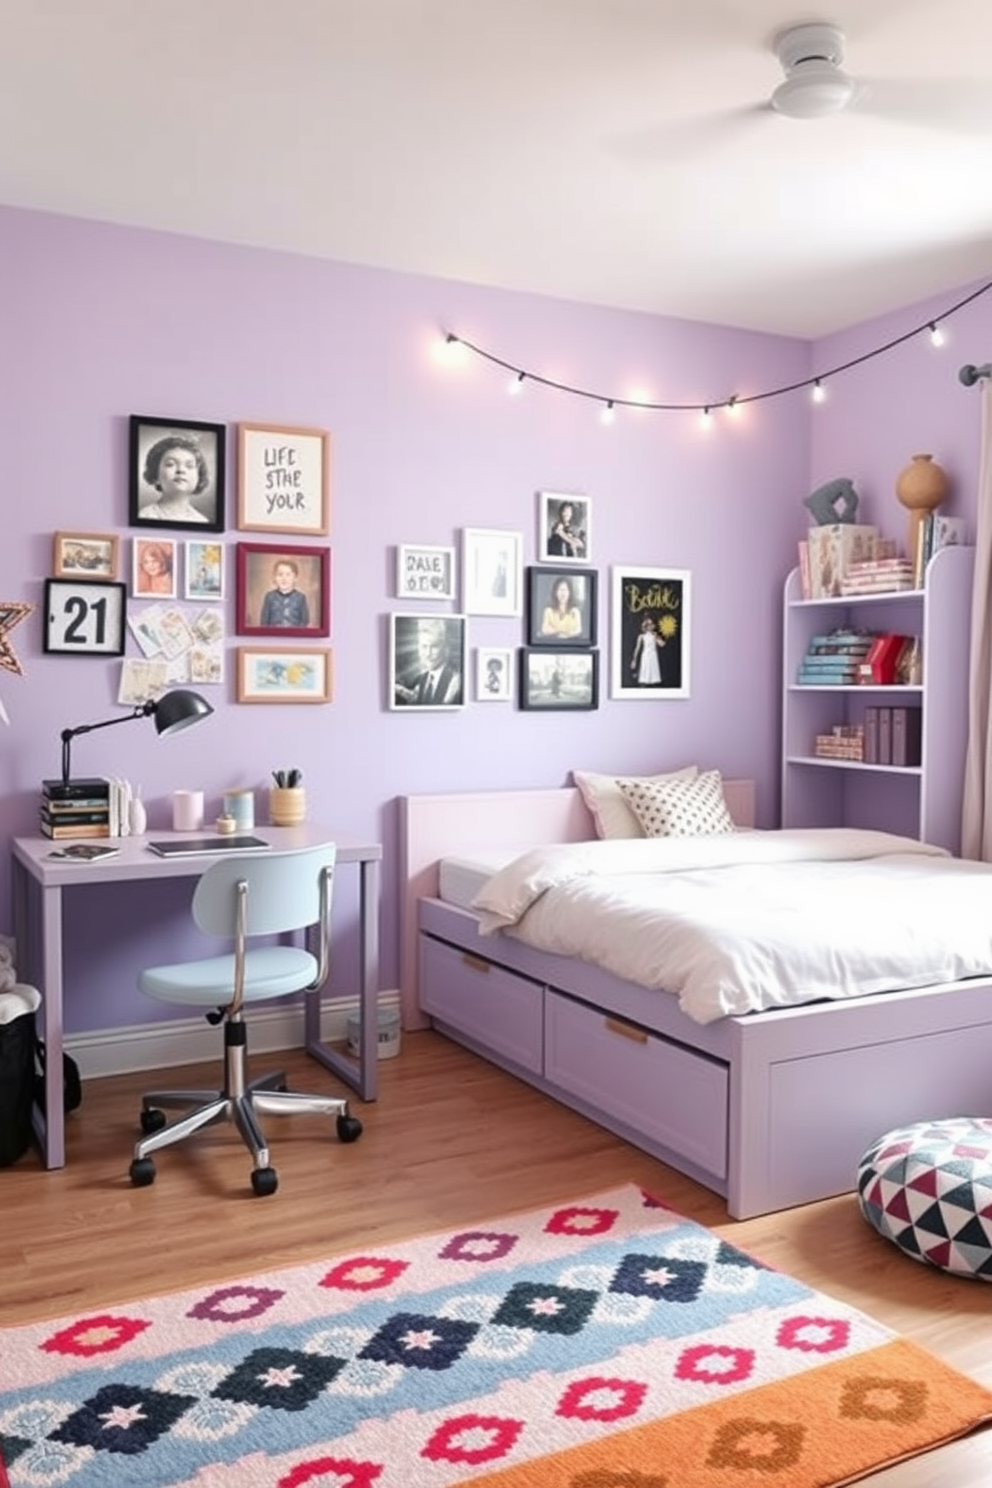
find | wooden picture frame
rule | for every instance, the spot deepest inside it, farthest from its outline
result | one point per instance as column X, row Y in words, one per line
column 283, row 590
column 492, row 570
column 425, row 572
column 84, row 618
column 154, row 567
column 427, row 655
column 564, row 528
column 556, row 680
column 561, row 606
column 271, row 674
column 283, row 479
column 651, row 633
column 85, row 555
column 176, row 473
column 204, row 572
column 494, row 674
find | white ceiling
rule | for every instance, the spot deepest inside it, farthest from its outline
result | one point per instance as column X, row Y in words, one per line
column 608, row 151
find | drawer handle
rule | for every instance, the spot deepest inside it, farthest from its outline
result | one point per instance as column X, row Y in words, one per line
column 626, row 1030
column 476, row 962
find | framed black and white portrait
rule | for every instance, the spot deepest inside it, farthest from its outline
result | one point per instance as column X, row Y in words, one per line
column 561, row 606
column 559, row 681
column 564, row 528
column 176, row 474
column 427, row 662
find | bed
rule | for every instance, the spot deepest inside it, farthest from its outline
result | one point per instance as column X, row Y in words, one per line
column 769, row 1109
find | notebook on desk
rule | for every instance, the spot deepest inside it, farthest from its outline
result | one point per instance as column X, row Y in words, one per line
column 201, row 847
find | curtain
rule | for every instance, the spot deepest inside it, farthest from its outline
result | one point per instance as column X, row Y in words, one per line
column 976, row 814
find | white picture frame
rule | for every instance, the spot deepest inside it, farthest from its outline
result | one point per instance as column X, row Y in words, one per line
column 561, row 537
column 154, row 567
column 494, row 674
column 492, row 571
column 203, row 576
column 661, row 670
column 424, row 572
column 427, row 663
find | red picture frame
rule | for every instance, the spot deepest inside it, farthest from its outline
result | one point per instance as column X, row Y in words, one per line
column 283, row 589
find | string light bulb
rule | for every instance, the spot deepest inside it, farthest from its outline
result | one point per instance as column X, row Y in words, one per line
column 608, row 413
column 937, row 337
column 516, row 385
column 733, row 407
column 819, row 393
column 705, row 419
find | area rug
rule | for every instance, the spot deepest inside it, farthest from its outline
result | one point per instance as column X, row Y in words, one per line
column 603, row 1343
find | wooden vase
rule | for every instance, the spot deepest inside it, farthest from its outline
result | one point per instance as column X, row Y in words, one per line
column 920, row 487
column 287, row 806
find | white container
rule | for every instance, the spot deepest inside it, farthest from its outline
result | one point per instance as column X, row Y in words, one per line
column 389, row 1034
column 187, row 810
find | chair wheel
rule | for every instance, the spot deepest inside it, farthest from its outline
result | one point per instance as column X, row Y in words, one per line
column 152, row 1121
column 264, row 1181
column 142, row 1172
column 349, row 1128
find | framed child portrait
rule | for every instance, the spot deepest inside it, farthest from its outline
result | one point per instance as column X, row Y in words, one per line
column 493, row 674
column 176, row 476
column 558, row 681
column 153, row 571
column 564, row 528
column 650, row 633
column 283, row 590
column 561, row 607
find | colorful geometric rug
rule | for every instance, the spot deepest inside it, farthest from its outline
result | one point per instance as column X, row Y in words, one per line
column 605, row 1343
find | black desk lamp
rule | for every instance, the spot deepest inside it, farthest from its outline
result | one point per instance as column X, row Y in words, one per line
column 172, row 711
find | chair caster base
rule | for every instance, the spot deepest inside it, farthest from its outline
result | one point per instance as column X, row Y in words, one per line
column 349, row 1128
column 142, row 1171
column 264, row 1182
column 152, row 1121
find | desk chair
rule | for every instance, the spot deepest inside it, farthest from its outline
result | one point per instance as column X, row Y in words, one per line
column 244, row 897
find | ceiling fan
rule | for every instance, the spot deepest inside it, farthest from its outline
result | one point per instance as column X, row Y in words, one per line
column 816, row 86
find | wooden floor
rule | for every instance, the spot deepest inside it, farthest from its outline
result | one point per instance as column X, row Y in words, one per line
column 451, row 1140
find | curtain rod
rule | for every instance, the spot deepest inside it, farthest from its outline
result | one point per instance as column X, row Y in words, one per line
column 970, row 374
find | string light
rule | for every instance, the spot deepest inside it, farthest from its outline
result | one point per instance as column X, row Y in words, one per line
column 516, row 385
column 734, row 403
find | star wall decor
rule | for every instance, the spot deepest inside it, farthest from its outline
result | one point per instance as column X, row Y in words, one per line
column 11, row 614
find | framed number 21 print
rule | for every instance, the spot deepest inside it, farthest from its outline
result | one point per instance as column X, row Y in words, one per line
column 84, row 619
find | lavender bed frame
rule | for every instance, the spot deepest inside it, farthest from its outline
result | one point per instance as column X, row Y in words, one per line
column 770, row 1110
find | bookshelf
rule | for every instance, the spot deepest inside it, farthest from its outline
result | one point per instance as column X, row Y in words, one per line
column 924, row 800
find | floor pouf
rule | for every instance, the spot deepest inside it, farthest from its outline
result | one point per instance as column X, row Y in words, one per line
column 928, row 1189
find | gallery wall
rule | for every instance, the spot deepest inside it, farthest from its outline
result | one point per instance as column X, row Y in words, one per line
column 103, row 322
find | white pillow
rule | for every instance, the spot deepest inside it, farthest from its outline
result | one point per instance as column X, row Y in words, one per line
column 608, row 806
column 680, row 808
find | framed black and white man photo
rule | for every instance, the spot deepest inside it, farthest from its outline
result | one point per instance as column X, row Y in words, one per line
column 176, row 475
column 427, row 662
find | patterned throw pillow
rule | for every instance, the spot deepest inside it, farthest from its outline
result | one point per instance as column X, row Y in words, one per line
column 605, row 800
column 680, row 808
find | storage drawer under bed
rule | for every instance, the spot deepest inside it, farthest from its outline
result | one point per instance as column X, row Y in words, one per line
column 501, row 1009
column 673, row 1096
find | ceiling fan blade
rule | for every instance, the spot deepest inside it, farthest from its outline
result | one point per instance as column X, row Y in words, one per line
column 958, row 105
column 686, row 138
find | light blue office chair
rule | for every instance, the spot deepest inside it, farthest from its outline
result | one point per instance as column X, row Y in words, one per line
column 263, row 894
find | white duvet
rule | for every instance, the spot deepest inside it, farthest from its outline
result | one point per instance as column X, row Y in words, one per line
column 752, row 920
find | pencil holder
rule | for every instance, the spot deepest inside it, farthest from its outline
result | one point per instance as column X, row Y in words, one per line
column 287, row 805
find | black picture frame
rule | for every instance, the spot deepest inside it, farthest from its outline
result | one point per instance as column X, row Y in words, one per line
column 200, row 509
column 569, row 621
column 83, row 617
column 558, row 680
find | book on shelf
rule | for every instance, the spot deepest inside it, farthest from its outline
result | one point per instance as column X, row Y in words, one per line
column 804, row 579
column 74, row 790
column 871, row 735
column 79, row 829
column 74, row 818
column 885, row 736
column 879, row 668
column 949, row 532
column 832, row 550
column 907, row 736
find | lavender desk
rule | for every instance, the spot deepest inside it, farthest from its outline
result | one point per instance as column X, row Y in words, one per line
column 38, row 885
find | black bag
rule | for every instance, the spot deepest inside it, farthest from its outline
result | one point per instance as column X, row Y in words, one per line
column 17, row 1086
column 72, row 1087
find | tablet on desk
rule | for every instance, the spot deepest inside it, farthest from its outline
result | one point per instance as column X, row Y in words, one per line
column 201, row 847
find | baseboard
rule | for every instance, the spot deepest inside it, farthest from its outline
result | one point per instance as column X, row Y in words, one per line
column 152, row 1046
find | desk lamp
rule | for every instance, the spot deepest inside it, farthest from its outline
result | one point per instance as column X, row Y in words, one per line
column 172, row 711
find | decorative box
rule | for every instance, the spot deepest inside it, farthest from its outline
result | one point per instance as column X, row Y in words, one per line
column 832, row 549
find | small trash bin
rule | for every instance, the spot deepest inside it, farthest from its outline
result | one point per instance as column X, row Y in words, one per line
column 18, row 1040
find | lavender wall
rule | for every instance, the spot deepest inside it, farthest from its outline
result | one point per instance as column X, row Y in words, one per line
column 101, row 322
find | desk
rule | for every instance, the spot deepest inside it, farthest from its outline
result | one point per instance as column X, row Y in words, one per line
column 38, row 884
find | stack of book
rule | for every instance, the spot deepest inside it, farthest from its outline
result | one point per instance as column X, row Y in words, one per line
column 879, row 576
column 832, row 660
column 79, row 809
column 845, row 741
